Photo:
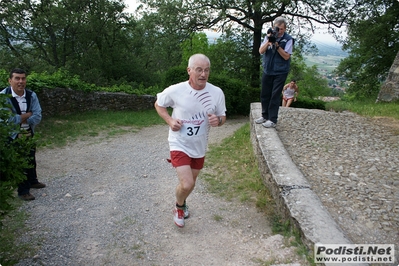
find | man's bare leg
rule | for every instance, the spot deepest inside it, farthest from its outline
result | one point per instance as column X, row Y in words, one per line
column 187, row 178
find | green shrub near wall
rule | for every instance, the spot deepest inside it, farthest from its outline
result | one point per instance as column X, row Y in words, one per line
column 238, row 94
column 175, row 75
column 13, row 154
column 308, row 103
column 3, row 79
column 59, row 79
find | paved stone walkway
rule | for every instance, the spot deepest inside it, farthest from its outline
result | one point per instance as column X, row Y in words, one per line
column 352, row 163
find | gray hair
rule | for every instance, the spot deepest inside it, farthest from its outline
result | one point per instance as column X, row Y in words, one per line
column 197, row 57
column 279, row 21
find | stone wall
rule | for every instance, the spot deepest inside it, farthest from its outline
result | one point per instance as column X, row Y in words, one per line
column 389, row 91
column 62, row 101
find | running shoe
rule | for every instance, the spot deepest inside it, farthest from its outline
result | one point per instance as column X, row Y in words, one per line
column 186, row 211
column 268, row 124
column 260, row 120
column 178, row 216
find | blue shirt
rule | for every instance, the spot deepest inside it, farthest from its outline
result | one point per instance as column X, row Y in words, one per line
column 34, row 107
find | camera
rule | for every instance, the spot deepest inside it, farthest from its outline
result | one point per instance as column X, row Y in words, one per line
column 272, row 34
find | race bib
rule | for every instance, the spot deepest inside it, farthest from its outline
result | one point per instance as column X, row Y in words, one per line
column 191, row 128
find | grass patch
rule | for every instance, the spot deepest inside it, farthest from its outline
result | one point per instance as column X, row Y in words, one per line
column 283, row 227
column 57, row 131
column 367, row 108
column 13, row 226
column 217, row 218
column 231, row 171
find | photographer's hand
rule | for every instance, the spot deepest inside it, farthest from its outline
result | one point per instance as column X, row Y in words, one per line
column 283, row 53
column 263, row 48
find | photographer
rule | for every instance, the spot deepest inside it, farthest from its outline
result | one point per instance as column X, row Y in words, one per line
column 276, row 50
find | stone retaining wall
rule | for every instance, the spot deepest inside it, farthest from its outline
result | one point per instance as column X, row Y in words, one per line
column 295, row 199
column 60, row 101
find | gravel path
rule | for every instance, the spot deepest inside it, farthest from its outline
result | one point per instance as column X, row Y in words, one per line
column 109, row 202
column 352, row 163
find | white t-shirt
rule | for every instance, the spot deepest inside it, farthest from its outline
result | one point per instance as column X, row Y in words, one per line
column 192, row 108
column 289, row 93
column 22, row 106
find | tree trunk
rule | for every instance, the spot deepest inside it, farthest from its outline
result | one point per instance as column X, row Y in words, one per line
column 389, row 91
column 255, row 80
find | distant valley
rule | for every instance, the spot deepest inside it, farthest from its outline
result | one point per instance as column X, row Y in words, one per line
column 328, row 57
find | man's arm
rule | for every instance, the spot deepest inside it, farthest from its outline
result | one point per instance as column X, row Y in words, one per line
column 216, row 121
column 286, row 54
column 35, row 112
column 283, row 53
column 285, row 86
column 264, row 45
column 174, row 124
column 24, row 117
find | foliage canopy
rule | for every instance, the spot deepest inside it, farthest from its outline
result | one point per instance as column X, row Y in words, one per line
column 372, row 44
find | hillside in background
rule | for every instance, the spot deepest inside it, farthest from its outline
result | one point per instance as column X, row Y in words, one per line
column 330, row 48
column 328, row 57
column 326, row 60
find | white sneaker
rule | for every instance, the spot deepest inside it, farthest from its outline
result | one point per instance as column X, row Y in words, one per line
column 260, row 120
column 268, row 124
column 185, row 210
column 178, row 216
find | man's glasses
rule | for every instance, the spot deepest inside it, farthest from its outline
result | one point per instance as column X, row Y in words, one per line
column 199, row 70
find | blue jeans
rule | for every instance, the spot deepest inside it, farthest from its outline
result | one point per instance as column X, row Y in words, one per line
column 270, row 95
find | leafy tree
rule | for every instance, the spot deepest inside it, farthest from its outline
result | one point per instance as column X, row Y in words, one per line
column 160, row 45
column 230, row 55
column 313, row 84
column 310, row 82
column 197, row 43
column 251, row 15
column 372, row 44
column 94, row 39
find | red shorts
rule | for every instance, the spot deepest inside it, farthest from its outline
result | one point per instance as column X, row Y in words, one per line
column 179, row 158
column 286, row 99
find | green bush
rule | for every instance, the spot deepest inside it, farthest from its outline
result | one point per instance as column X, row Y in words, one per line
column 308, row 103
column 238, row 94
column 3, row 79
column 59, row 79
column 175, row 75
column 63, row 79
column 13, row 156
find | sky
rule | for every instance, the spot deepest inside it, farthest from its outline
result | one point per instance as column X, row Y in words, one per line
column 132, row 4
column 318, row 37
column 323, row 38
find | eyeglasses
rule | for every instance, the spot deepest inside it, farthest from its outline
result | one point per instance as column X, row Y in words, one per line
column 199, row 70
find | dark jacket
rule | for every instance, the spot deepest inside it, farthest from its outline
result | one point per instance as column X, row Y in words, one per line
column 33, row 106
column 273, row 62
